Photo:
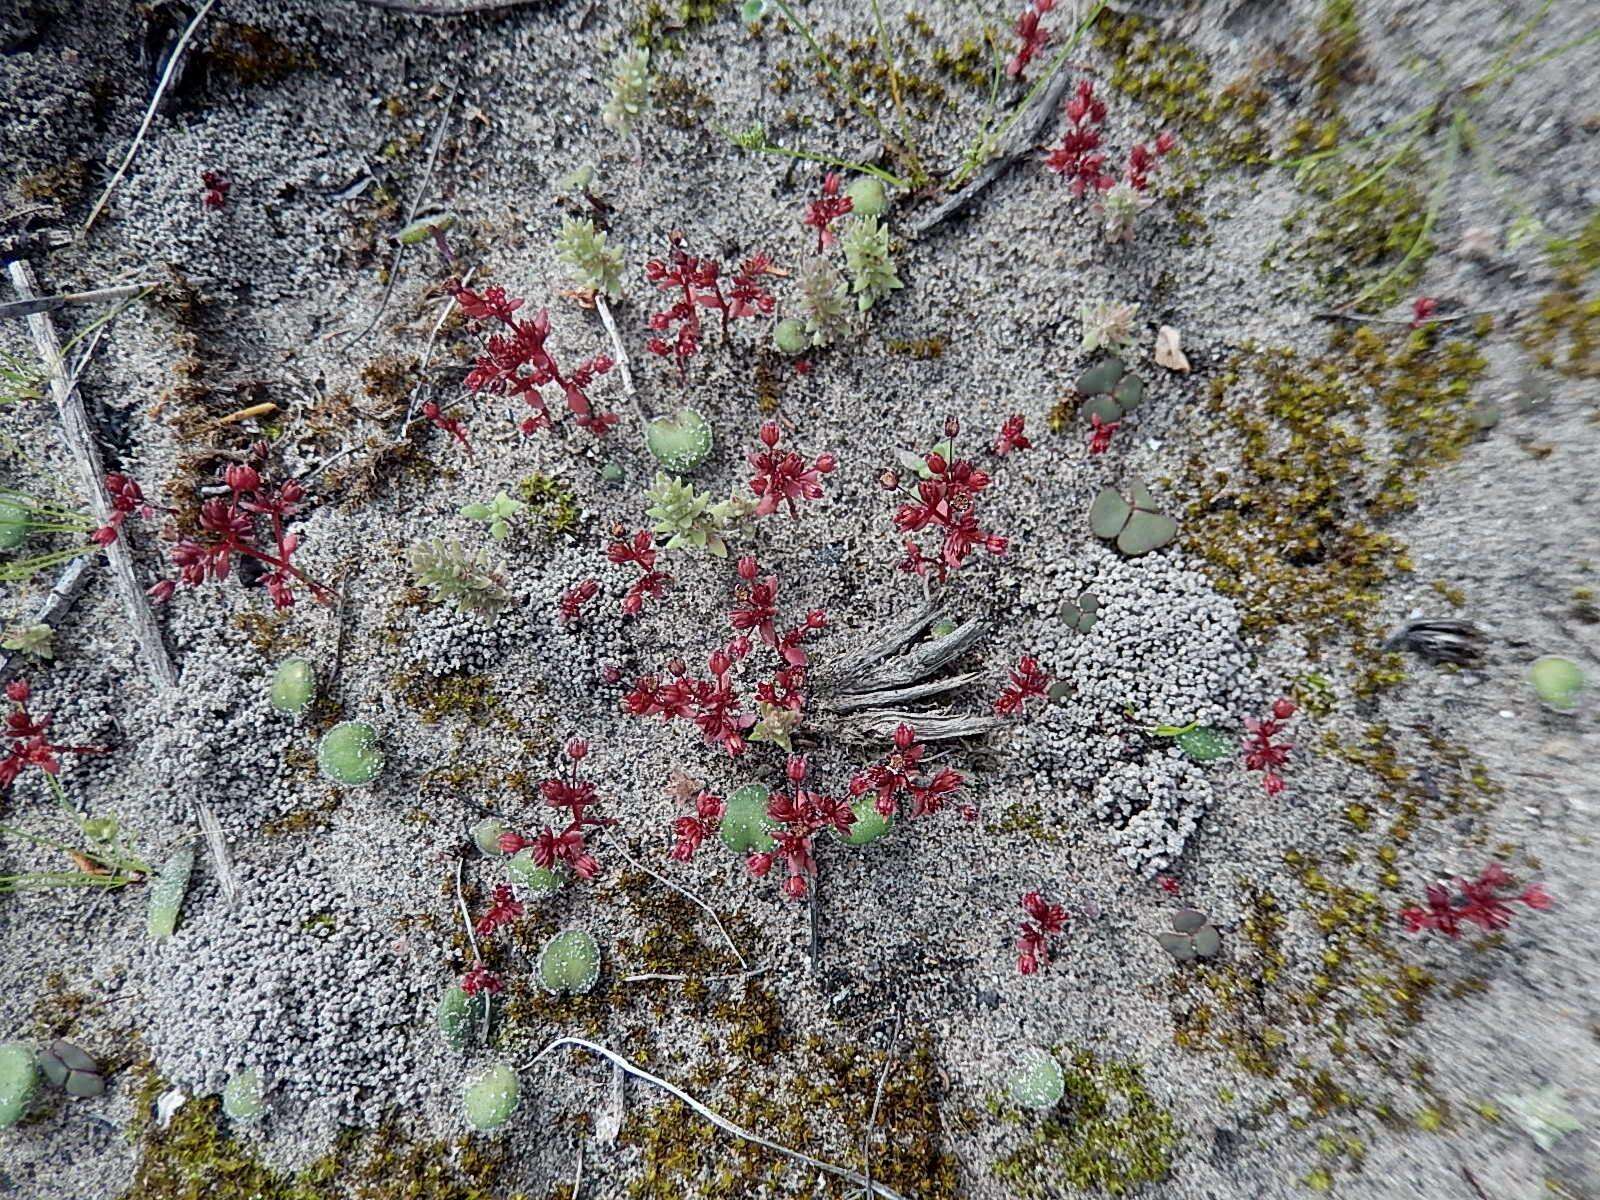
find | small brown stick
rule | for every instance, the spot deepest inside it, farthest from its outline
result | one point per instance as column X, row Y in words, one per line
column 411, row 215
column 150, row 113
column 877, row 1101
column 420, row 8
column 55, row 606
column 79, row 436
column 24, row 308
column 721, row 1122
column 427, row 355
column 265, row 409
column 1333, row 314
column 1032, row 124
column 616, row 843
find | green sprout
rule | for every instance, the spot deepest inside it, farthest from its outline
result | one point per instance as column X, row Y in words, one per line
column 497, row 513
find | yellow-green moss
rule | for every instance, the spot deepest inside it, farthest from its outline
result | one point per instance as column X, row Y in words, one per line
column 1330, row 448
column 1107, row 1135
column 551, row 504
column 1564, row 334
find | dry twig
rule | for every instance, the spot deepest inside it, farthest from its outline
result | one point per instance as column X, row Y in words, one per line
column 423, row 8
column 616, row 843
column 85, row 451
column 721, row 1122
column 173, row 62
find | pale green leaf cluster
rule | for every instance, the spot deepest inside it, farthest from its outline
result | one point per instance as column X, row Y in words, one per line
column 687, row 517
column 36, row 641
column 497, row 513
column 866, row 259
column 824, row 302
column 452, row 572
column 630, row 92
column 583, row 248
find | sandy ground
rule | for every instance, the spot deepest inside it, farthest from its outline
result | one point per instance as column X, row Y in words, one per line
column 324, row 970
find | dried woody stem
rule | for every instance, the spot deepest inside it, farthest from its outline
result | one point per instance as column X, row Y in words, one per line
column 85, row 452
column 173, row 63
column 721, row 1122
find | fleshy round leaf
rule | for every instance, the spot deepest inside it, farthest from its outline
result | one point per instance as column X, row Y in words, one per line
column 1187, row 920
column 1179, row 945
column 1129, row 392
column 244, row 1096
column 492, row 1097
column 1207, row 941
column 1558, row 681
column 19, row 1080
column 82, row 1085
column 869, row 825
column 349, row 753
column 1146, row 531
column 1099, row 379
column 486, row 836
column 745, row 824
column 790, row 336
column 680, row 442
column 1037, row 1080
column 294, row 686
column 1109, row 514
column 569, row 964
column 462, row 1017
column 74, row 1058
column 1204, row 744
column 1104, row 407
column 538, row 883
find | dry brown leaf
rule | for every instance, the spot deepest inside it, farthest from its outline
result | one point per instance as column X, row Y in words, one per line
column 86, row 864
column 1169, row 350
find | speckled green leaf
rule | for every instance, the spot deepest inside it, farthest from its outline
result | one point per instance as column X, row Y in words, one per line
column 869, row 825
column 1204, row 744
column 1037, row 1080
column 492, row 1097
column 1146, row 531
column 538, row 883
column 244, row 1096
column 19, row 1080
column 745, row 824
column 166, row 893
column 569, row 964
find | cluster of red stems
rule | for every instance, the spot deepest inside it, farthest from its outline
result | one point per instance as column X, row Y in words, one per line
column 696, row 283
column 517, row 362
column 945, row 503
column 214, row 190
column 1045, row 920
column 1485, row 902
column 250, row 524
column 555, row 849
column 30, row 740
column 1261, row 753
column 1079, row 157
column 712, row 704
column 1032, row 37
column 821, row 213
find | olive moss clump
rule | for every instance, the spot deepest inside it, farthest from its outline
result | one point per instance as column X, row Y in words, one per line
column 1564, row 334
column 1107, row 1134
column 1329, row 449
column 194, row 1157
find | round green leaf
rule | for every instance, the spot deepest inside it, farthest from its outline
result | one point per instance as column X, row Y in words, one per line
column 1207, row 941
column 492, row 1097
column 1146, row 531
column 1099, row 379
column 745, row 824
column 1104, row 407
column 680, row 442
column 244, row 1096
column 569, row 964
column 1129, row 392
column 538, row 882
column 349, row 753
column 1109, row 514
column 869, row 825
column 1558, row 681
column 294, row 686
column 19, row 1079
column 1036, row 1081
